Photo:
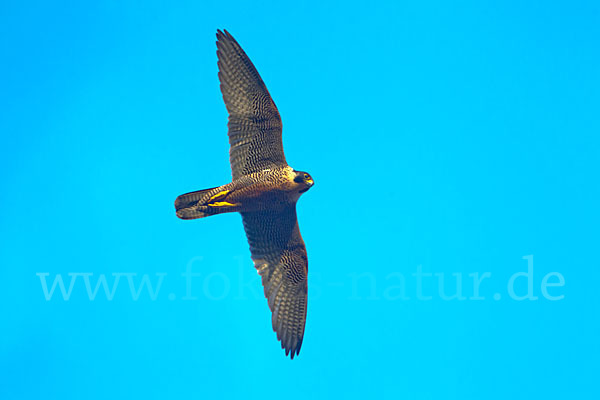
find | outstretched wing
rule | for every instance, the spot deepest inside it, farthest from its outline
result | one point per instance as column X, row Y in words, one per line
column 254, row 122
column 279, row 255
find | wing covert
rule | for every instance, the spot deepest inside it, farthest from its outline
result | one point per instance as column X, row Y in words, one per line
column 254, row 121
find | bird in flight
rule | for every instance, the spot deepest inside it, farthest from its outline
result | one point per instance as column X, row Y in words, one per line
column 264, row 190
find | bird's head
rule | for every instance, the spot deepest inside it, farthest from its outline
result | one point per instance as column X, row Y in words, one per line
column 304, row 181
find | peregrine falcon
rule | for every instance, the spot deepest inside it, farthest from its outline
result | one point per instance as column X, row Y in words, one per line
column 264, row 190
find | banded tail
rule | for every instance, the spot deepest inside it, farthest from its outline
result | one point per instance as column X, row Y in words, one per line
column 203, row 203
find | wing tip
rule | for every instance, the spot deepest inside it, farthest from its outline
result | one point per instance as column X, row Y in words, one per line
column 224, row 35
column 290, row 342
column 293, row 350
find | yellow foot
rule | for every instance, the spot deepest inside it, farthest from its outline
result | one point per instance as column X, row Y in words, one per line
column 221, row 204
column 219, row 195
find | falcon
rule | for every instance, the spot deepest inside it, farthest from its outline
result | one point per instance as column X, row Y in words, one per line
column 264, row 190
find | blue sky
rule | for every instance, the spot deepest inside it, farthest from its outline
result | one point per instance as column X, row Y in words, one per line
column 450, row 142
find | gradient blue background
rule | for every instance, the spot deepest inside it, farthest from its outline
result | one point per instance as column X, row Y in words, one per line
column 458, row 136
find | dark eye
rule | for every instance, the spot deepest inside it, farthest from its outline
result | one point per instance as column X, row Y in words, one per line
column 306, row 176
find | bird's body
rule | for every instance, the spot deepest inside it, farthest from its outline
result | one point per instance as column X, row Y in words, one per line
column 264, row 190
column 270, row 189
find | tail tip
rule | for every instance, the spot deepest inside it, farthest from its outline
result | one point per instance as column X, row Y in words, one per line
column 190, row 213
